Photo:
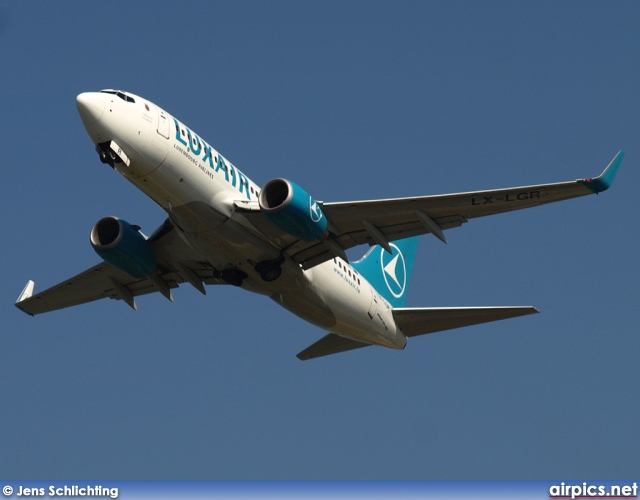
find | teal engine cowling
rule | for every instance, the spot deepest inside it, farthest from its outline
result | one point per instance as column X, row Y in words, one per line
column 293, row 210
column 123, row 246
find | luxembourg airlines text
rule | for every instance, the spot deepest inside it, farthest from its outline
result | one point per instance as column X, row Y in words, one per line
column 214, row 160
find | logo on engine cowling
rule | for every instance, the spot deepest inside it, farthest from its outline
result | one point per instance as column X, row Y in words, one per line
column 394, row 270
column 314, row 210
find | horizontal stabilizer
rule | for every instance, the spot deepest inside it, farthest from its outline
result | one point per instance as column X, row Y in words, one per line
column 419, row 321
column 330, row 344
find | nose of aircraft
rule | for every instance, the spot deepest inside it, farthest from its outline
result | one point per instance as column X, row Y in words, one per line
column 90, row 106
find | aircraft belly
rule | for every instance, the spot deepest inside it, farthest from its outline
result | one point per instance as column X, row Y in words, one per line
column 305, row 304
column 350, row 300
column 194, row 204
column 202, row 208
column 196, row 216
column 231, row 246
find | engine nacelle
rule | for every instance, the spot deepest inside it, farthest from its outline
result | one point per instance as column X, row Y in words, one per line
column 293, row 210
column 123, row 246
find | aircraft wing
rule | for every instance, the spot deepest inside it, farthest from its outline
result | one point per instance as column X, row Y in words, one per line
column 381, row 221
column 177, row 263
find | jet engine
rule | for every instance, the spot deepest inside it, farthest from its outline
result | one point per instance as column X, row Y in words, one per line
column 293, row 210
column 123, row 246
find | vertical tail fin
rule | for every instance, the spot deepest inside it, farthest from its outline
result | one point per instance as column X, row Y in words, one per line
column 389, row 273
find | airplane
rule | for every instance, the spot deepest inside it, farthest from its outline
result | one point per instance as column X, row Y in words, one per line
column 276, row 240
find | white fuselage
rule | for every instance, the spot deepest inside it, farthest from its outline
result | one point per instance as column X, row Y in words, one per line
column 199, row 189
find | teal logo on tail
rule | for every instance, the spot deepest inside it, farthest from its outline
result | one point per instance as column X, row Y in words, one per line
column 394, row 270
column 389, row 273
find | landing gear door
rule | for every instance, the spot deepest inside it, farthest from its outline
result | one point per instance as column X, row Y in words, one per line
column 163, row 123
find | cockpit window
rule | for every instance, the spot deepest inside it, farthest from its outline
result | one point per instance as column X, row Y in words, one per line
column 120, row 94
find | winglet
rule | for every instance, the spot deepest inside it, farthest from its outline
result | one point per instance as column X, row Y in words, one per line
column 604, row 181
column 26, row 293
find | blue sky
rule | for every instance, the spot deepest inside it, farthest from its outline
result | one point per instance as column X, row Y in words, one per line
column 352, row 100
